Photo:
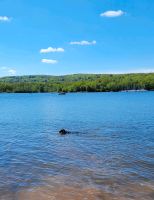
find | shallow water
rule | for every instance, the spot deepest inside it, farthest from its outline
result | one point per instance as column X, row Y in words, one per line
column 108, row 155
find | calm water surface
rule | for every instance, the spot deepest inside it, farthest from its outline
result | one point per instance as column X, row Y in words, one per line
column 108, row 155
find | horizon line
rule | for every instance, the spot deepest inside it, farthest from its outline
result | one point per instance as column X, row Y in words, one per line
column 114, row 73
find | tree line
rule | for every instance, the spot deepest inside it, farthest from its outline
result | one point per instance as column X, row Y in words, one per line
column 77, row 83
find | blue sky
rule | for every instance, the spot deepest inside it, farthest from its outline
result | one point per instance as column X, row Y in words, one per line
column 76, row 36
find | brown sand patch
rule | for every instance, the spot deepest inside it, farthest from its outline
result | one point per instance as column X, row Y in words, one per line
column 62, row 193
column 65, row 192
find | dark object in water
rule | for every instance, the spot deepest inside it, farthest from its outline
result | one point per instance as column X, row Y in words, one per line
column 62, row 93
column 63, row 132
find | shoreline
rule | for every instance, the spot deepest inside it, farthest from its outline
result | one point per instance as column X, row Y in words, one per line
column 142, row 90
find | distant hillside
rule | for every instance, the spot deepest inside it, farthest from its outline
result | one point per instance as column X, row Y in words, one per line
column 77, row 83
column 53, row 79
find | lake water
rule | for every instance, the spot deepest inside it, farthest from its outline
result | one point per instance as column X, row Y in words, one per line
column 108, row 155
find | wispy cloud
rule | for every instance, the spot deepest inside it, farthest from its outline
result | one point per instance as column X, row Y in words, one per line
column 83, row 42
column 112, row 13
column 9, row 71
column 140, row 70
column 3, row 68
column 4, row 19
column 49, row 61
column 12, row 71
column 51, row 50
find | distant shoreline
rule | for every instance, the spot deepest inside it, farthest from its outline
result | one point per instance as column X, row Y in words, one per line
column 78, row 83
column 122, row 91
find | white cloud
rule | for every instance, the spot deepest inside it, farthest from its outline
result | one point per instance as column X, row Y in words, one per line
column 112, row 13
column 51, row 50
column 49, row 61
column 83, row 43
column 4, row 19
column 12, row 72
column 8, row 71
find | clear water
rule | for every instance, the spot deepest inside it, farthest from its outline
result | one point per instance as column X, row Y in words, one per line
column 108, row 155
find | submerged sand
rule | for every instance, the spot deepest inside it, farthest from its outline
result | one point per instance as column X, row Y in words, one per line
column 76, row 193
column 58, row 189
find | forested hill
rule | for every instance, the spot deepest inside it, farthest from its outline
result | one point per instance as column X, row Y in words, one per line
column 77, row 83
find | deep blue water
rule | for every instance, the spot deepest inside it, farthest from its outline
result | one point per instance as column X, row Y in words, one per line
column 110, row 147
